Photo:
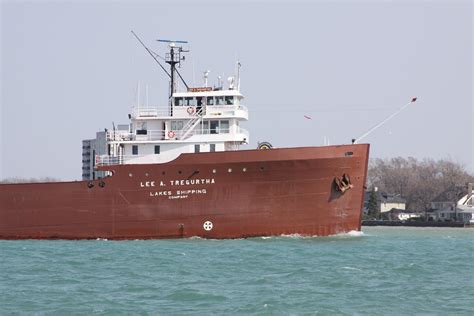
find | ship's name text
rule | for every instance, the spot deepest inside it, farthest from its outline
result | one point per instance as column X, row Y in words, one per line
column 173, row 183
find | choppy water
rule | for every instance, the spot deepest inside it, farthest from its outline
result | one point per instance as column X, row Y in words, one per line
column 381, row 271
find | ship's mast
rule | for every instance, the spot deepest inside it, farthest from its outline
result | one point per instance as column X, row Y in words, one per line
column 174, row 58
column 172, row 62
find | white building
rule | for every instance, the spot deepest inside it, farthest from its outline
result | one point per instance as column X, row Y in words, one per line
column 444, row 207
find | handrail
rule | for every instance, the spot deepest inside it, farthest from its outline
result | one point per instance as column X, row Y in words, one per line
column 149, row 112
column 106, row 160
column 164, row 112
column 162, row 134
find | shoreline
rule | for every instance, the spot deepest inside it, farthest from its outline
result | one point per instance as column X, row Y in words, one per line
column 416, row 224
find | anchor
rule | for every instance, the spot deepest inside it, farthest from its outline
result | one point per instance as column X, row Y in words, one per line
column 343, row 184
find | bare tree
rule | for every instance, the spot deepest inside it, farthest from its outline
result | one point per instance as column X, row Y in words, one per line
column 28, row 180
column 419, row 182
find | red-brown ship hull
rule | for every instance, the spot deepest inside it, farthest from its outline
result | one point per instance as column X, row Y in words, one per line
column 241, row 193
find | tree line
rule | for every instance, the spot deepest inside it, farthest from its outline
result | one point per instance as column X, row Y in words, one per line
column 28, row 180
column 417, row 181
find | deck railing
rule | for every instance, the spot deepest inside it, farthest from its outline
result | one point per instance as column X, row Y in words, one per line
column 165, row 112
column 152, row 135
column 106, row 160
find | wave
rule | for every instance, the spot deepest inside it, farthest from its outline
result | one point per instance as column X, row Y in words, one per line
column 352, row 233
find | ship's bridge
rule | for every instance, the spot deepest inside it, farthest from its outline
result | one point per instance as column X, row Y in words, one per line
column 222, row 103
column 209, row 103
column 200, row 119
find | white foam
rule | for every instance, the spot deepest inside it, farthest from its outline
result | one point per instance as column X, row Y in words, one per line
column 351, row 268
column 102, row 239
column 292, row 236
column 195, row 237
column 352, row 233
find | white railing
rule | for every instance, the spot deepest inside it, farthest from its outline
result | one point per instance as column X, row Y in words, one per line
column 150, row 112
column 165, row 112
column 152, row 135
column 227, row 110
column 106, row 160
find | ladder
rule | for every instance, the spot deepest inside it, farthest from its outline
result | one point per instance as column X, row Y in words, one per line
column 191, row 124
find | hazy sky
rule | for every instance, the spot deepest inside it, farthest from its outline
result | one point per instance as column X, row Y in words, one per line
column 70, row 68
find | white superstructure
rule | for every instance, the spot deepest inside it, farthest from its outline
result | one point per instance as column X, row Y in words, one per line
column 202, row 119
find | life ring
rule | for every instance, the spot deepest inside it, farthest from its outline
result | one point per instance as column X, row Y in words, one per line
column 190, row 110
column 171, row 134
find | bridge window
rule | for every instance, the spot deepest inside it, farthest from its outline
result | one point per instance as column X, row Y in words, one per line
column 212, row 147
column 197, row 148
column 229, row 100
column 189, row 101
column 135, row 150
column 178, row 101
column 210, row 101
column 219, row 100
column 199, row 102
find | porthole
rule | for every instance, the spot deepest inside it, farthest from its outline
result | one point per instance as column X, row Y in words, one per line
column 130, row 174
column 146, row 174
column 229, row 170
column 244, row 169
column 349, row 153
column 163, row 173
column 214, row 170
column 262, row 168
column 180, row 172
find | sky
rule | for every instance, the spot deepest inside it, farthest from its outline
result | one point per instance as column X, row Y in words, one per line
column 70, row 68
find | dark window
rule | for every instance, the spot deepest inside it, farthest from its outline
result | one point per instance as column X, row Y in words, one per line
column 197, row 148
column 210, row 101
column 141, row 131
column 219, row 100
column 212, row 147
column 178, row 101
column 135, row 150
column 199, row 101
column 189, row 101
column 214, row 127
column 157, row 149
column 229, row 100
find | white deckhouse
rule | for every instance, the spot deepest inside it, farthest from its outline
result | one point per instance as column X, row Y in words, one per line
column 203, row 119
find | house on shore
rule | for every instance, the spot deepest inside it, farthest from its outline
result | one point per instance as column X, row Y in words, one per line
column 389, row 206
column 453, row 205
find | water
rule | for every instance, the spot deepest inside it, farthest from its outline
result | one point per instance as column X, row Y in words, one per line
column 384, row 271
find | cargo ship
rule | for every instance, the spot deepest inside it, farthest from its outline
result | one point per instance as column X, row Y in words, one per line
column 179, row 172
